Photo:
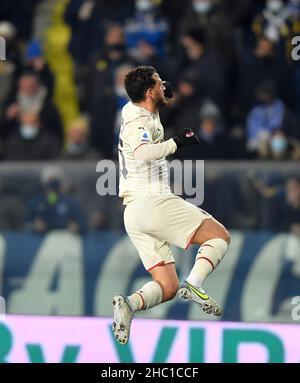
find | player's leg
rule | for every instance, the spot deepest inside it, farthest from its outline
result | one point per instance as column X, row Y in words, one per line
column 162, row 288
column 214, row 240
column 177, row 221
column 157, row 259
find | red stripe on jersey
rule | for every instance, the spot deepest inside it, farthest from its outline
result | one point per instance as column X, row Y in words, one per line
column 158, row 264
column 144, row 143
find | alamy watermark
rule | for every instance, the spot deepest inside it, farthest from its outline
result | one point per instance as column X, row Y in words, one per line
column 2, row 48
column 295, row 313
column 186, row 178
column 296, row 49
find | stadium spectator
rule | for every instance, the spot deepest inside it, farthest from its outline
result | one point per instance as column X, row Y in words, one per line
column 183, row 109
column 100, row 73
column 205, row 66
column 77, row 141
column 217, row 27
column 88, row 20
column 146, row 35
column 100, row 91
column 52, row 209
column 170, row 9
column 35, row 62
column 265, row 119
column 261, row 65
column 279, row 22
column 32, row 96
column 280, row 203
column 211, row 132
column 236, row 10
column 31, row 141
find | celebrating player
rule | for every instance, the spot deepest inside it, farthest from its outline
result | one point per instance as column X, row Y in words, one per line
column 154, row 217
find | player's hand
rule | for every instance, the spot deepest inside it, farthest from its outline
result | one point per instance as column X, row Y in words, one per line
column 168, row 89
column 186, row 138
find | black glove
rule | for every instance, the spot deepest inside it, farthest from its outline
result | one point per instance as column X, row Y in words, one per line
column 186, row 138
column 169, row 89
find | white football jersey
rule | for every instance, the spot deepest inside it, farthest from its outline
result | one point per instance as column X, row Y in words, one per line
column 137, row 177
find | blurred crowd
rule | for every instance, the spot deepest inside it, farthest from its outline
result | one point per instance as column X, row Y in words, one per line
column 52, row 197
column 230, row 63
column 235, row 83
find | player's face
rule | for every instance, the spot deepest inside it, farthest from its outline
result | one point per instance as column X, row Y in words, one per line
column 158, row 95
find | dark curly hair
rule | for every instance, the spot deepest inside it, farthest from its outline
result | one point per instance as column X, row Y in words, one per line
column 138, row 81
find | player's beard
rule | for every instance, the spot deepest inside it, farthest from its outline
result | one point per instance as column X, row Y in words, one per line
column 160, row 101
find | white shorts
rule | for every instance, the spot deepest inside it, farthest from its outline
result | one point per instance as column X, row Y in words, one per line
column 154, row 222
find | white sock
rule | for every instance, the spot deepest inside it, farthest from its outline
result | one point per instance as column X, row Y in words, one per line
column 148, row 296
column 208, row 257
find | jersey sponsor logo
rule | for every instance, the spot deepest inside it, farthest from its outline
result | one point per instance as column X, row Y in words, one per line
column 145, row 137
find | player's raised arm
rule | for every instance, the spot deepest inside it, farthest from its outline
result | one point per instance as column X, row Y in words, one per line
column 149, row 152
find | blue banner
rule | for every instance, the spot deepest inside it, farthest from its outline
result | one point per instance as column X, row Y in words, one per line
column 65, row 274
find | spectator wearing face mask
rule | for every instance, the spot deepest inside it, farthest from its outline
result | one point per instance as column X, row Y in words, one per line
column 269, row 125
column 53, row 209
column 282, row 147
column 279, row 148
column 31, row 141
column 217, row 27
column 31, row 96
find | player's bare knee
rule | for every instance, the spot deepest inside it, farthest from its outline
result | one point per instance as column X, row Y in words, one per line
column 226, row 235
column 222, row 233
